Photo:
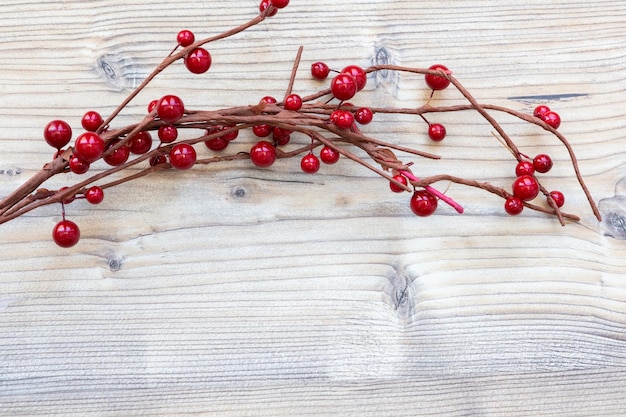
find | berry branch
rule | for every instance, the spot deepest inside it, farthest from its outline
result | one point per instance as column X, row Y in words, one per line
column 324, row 122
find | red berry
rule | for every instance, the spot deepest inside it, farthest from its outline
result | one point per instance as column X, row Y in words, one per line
column 152, row 105
column 230, row 136
column 182, row 156
column 401, row 179
column 524, row 168
column 157, row 160
column 437, row 82
column 91, row 121
column 217, row 144
column 268, row 100
column 558, row 197
column 343, row 86
column 262, row 131
column 363, row 115
column 264, row 5
column 170, row 108
column 542, row 163
column 359, row 75
column 281, row 136
column 293, row 102
column 513, row 205
column 198, row 60
column 66, row 233
column 118, row 156
column 436, row 132
column 88, row 147
column 185, row 38
column 540, row 111
column 168, row 133
column 78, row 166
column 263, row 154
column 552, row 119
column 94, row 195
column 279, row 4
column 343, row 119
column 423, row 203
column 57, row 133
column 140, row 143
column 310, row 163
column 329, row 155
column 319, row 70
column 525, row 187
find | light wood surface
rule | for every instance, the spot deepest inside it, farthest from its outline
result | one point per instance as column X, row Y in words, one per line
column 235, row 291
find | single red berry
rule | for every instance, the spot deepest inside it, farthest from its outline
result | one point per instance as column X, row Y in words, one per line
column 552, row 119
column 230, row 136
column 57, row 133
column 343, row 86
column 540, row 111
column 319, row 70
column 217, row 144
column 268, row 100
column 264, row 5
column 363, row 115
column 279, row 4
column 281, row 136
column 542, row 163
column 182, row 156
column 170, row 108
column 167, row 133
column 262, row 131
column 436, row 132
column 343, row 119
column 558, row 197
column 118, row 156
column 94, row 195
column 157, row 160
column 513, row 205
column 437, row 82
column 359, row 75
column 78, row 166
column 293, row 102
column 152, row 105
column 91, row 121
column 525, row 187
column 140, row 143
column 423, row 203
column 310, row 163
column 329, row 155
column 198, row 60
column 396, row 188
column 185, row 38
column 263, row 154
column 524, row 168
column 88, row 147
column 66, row 233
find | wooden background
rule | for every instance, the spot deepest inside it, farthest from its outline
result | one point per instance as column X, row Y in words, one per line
column 236, row 291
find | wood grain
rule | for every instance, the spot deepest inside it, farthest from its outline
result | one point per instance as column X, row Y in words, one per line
column 234, row 291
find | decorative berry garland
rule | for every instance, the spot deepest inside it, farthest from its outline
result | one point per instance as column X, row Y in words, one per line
column 330, row 125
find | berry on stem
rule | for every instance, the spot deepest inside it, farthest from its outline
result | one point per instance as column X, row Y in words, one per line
column 437, row 82
column 118, row 156
column 319, row 70
column 329, row 155
column 558, row 197
column 263, row 154
column 423, row 203
column 66, row 233
column 524, row 168
column 185, row 38
column 57, row 133
column 343, row 86
column 167, row 133
column 268, row 100
column 343, row 119
column 436, row 132
column 513, row 205
column 310, row 163
column 363, row 115
column 293, row 102
column 91, row 121
column 542, row 163
column 540, row 111
column 170, row 108
column 198, row 60
column 262, row 130
column 140, row 143
column 94, row 195
column 525, row 187
column 279, row 4
column 401, row 179
column 552, row 119
column 88, row 147
column 359, row 75
column 78, row 166
column 281, row 136
column 182, row 156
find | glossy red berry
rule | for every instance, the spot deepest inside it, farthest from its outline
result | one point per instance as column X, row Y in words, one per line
column 293, row 102
column 57, row 133
column 558, row 197
column 525, row 187
column 423, row 203
column 78, row 166
column 319, row 70
column 185, row 38
column 281, row 136
column 513, row 205
column 167, row 133
column 396, row 188
column 170, row 108
column 542, row 163
column 437, row 82
column 88, row 147
column 310, row 163
column 118, row 156
column 329, row 155
column 436, row 132
column 91, row 121
column 198, row 60
column 94, row 195
column 279, row 4
column 217, row 144
column 343, row 86
column 182, row 156
column 264, row 5
column 140, row 143
column 540, row 110
column 363, row 115
column 152, row 105
column 66, row 233
column 268, row 100
column 263, row 154
column 262, row 130
column 343, row 119
column 524, row 168
column 359, row 75
column 552, row 119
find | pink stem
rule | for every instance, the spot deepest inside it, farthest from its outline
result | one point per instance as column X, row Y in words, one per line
column 436, row 193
